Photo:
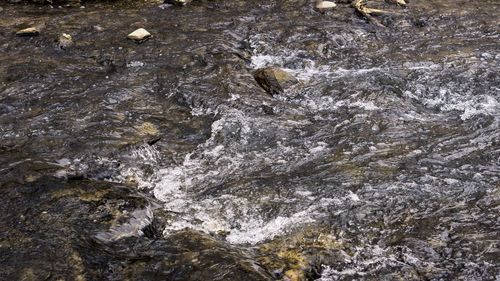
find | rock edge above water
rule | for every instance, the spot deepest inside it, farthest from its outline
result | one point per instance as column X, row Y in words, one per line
column 274, row 80
column 30, row 31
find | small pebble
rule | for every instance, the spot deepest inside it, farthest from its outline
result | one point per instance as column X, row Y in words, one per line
column 325, row 5
column 65, row 41
column 140, row 35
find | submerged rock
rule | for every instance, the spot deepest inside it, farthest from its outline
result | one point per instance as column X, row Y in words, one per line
column 147, row 129
column 274, row 80
column 30, row 31
column 65, row 41
column 325, row 5
column 140, row 35
column 177, row 2
column 88, row 228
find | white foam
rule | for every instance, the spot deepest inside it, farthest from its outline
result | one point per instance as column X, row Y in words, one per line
column 190, row 189
column 64, row 162
column 135, row 64
column 445, row 99
column 255, row 231
column 353, row 196
column 321, row 146
column 466, row 102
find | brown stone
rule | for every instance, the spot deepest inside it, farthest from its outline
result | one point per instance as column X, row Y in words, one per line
column 274, row 80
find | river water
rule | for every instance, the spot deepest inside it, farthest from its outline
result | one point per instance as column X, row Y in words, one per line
column 382, row 164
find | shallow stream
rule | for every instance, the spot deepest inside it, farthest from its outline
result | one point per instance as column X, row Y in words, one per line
column 165, row 160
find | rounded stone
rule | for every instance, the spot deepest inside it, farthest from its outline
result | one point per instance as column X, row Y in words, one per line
column 65, row 41
column 139, row 35
column 325, row 5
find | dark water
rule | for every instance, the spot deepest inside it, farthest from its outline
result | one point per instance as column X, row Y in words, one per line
column 166, row 161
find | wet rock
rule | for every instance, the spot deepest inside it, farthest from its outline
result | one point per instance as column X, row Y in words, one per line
column 207, row 259
column 299, row 256
column 88, row 229
column 274, row 80
column 322, row 5
column 140, row 35
column 46, row 220
column 30, row 31
column 177, row 2
column 154, row 140
column 147, row 129
column 65, row 41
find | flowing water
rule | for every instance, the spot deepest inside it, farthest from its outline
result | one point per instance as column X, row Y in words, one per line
column 382, row 164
